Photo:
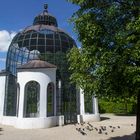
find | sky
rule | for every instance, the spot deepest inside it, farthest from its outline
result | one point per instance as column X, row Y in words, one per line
column 15, row 15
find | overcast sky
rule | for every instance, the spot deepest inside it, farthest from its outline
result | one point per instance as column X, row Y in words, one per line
column 15, row 15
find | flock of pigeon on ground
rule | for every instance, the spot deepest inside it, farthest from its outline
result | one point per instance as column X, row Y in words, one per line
column 84, row 127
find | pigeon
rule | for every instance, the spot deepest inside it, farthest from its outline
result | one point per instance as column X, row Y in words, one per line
column 96, row 129
column 118, row 126
column 83, row 133
column 100, row 131
column 82, row 124
column 112, row 130
column 103, row 128
column 105, row 133
column 77, row 129
column 114, row 127
column 90, row 124
column 89, row 128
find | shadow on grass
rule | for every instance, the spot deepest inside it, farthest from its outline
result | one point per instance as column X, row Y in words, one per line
column 126, row 137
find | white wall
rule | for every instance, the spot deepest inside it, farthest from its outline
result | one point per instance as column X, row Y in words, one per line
column 83, row 117
column 40, row 75
column 43, row 77
column 90, row 117
column 2, row 94
column 33, row 123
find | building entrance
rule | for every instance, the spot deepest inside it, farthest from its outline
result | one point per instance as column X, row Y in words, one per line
column 70, row 108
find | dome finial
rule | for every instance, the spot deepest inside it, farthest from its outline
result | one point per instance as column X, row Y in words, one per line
column 46, row 7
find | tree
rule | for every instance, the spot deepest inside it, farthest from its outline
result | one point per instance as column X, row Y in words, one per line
column 108, row 62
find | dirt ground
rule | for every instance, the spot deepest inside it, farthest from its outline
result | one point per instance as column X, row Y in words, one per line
column 111, row 127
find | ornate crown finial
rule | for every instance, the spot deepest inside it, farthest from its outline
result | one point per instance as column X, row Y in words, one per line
column 46, row 7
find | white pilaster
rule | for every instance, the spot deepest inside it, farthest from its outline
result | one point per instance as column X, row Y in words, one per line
column 21, row 102
column 59, row 96
column 82, row 102
column 2, row 94
column 95, row 105
column 43, row 100
column 54, row 99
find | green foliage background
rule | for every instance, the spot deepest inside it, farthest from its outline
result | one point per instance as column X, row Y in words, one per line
column 108, row 62
column 117, row 107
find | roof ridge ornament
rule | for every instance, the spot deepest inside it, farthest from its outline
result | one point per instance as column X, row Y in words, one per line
column 46, row 8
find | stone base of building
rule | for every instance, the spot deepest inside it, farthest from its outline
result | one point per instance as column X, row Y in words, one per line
column 88, row 117
column 32, row 123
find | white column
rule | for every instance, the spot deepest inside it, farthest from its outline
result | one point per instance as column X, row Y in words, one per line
column 59, row 96
column 43, row 100
column 21, row 101
column 18, row 96
column 54, row 99
column 2, row 94
column 82, row 102
column 95, row 109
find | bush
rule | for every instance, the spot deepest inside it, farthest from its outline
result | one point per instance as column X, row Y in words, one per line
column 118, row 107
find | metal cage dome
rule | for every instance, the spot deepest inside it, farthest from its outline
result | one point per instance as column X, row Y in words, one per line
column 45, row 18
column 43, row 39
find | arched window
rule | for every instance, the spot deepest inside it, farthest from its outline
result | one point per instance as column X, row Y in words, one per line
column 50, row 100
column 31, row 100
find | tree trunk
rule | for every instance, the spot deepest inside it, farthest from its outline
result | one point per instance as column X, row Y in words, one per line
column 138, row 119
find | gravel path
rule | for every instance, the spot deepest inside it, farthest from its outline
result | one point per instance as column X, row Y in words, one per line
column 110, row 128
